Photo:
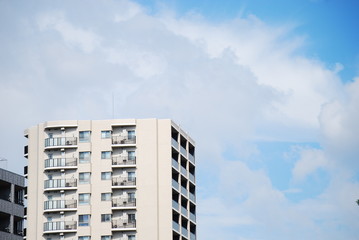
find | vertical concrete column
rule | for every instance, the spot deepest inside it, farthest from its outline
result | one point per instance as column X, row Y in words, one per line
column 11, row 224
column 12, row 193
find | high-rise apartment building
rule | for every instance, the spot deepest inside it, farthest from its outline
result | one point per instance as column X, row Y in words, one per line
column 110, row 179
column 11, row 205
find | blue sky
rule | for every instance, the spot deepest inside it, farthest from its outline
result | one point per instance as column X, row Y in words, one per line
column 269, row 91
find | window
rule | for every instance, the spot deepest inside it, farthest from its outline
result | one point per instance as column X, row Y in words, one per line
column 105, row 196
column 84, row 136
column 105, row 175
column 106, row 155
column 105, row 217
column 131, row 237
column 131, row 176
column 84, row 238
column 105, row 237
column 131, row 218
column 131, row 197
column 84, row 157
column 84, row 198
column 105, row 134
column 131, row 134
column 84, row 177
column 131, row 155
column 84, row 220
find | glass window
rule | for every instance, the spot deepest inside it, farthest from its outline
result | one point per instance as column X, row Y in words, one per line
column 131, row 196
column 131, row 237
column 105, row 134
column 131, row 155
column 105, row 196
column 131, row 176
column 84, row 238
column 84, row 177
column 105, row 217
column 131, row 134
column 106, row 155
column 84, row 136
column 84, row 157
column 105, row 237
column 105, row 175
column 131, row 217
column 84, row 220
column 84, row 198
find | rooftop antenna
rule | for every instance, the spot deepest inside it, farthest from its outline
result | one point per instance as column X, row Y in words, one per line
column 4, row 160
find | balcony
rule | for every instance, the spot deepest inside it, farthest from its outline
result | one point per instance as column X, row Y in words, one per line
column 123, row 140
column 123, row 161
column 191, row 177
column 175, row 205
column 60, row 163
column 192, row 236
column 123, row 182
column 60, row 184
column 123, row 203
column 60, row 142
column 60, row 205
column 26, row 170
column 60, row 227
column 26, row 151
column 123, row 225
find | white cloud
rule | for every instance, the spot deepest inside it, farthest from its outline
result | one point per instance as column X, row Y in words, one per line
column 310, row 161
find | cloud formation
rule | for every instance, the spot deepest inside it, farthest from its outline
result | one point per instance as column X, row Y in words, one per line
column 230, row 84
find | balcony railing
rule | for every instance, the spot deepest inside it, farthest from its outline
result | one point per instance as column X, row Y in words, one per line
column 192, row 197
column 175, row 164
column 123, row 202
column 175, row 205
column 123, row 140
column 123, row 160
column 124, row 181
column 184, row 211
column 123, row 223
column 192, row 216
column 175, row 226
column 184, row 191
column 191, row 177
column 191, row 158
column 183, row 151
column 60, row 204
column 184, row 232
column 175, row 184
column 174, row 143
column 60, row 141
column 60, row 162
column 183, row 170
column 192, row 236
column 60, row 226
column 60, row 183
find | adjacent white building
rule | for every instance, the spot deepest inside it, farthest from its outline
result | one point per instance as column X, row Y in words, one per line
column 122, row 179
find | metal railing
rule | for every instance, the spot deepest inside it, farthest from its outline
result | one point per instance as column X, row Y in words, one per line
column 60, row 183
column 123, row 223
column 123, row 140
column 123, row 160
column 123, row 181
column 60, row 162
column 60, row 226
column 123, row 202
column 60, row 204
column 60, row 141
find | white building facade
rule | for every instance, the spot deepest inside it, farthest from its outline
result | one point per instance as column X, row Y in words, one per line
column 125, row 179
